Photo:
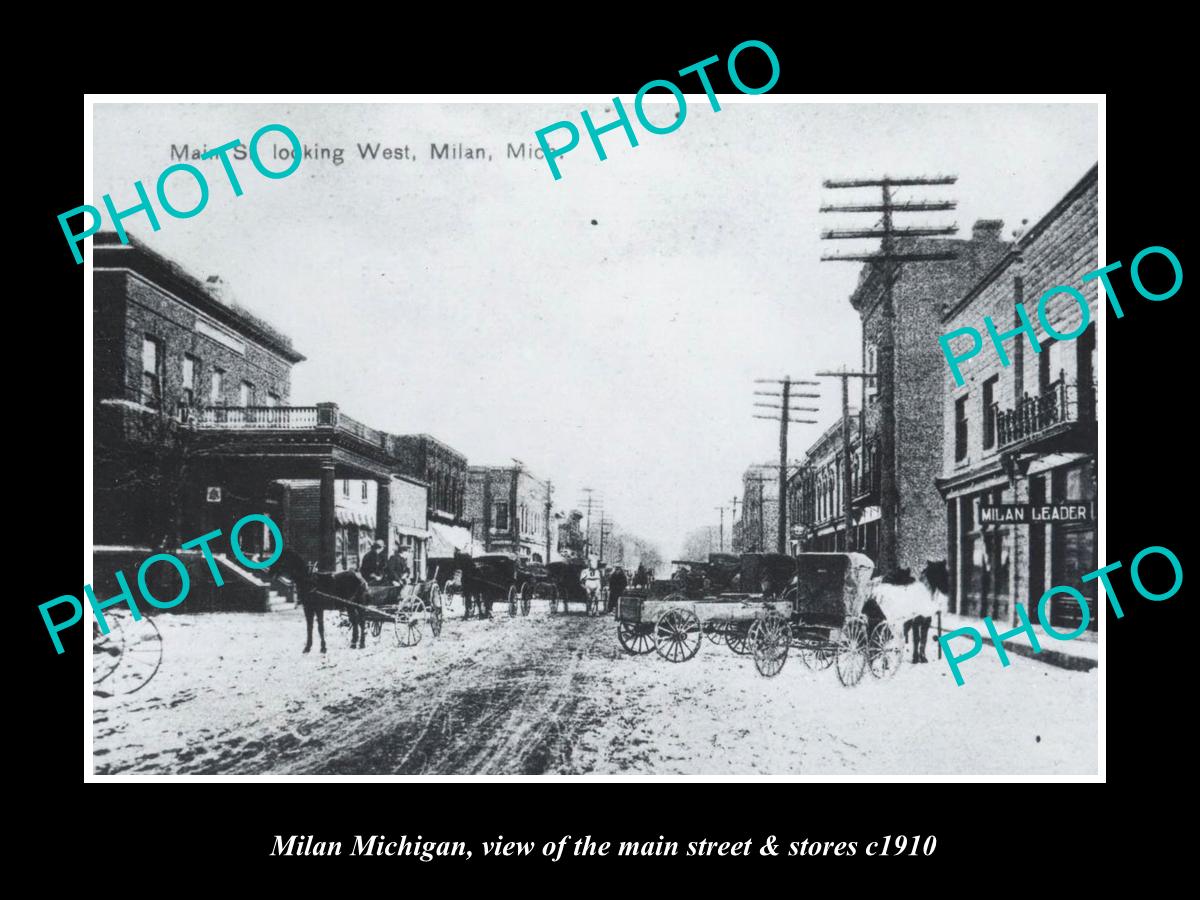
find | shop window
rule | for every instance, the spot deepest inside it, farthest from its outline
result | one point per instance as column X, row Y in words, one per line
column 989, row 412
column 960, row 428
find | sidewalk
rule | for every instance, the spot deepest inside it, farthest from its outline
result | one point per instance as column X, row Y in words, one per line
column 1081, row 654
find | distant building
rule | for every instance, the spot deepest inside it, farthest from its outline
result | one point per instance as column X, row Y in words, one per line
column 571, row 540
column 507, row 509
column 444, row 469
column 815, row 494
column 758, row 527
column 1019, row 461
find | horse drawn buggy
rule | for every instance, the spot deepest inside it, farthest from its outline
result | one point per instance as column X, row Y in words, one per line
column 506, row 577
column 570, row 588
column 815, row 603
column 127, row 657
column 411, row 607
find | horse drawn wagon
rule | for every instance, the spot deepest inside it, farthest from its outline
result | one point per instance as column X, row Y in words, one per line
column 508, row 577
column 773, row 603
column 567, row 576
column 411, row 607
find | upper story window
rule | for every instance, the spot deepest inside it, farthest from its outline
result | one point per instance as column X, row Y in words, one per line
column 216, row 386
column 871, row 384
column 960, row 428
column 272, row 399
column 989, row 412
column 245, row 394
column 500, row 516
column 151, row 371
column 364, row 490
column 190, row 365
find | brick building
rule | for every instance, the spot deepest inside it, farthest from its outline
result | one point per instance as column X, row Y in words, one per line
column 444, row 469
column 507, row 509
column 758, row 528
column 920, row 290
column 193, row 427
column 1025, row 434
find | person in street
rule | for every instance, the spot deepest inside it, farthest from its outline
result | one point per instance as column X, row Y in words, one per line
column 398, row 568
column 616, row 586
column 639, row 577
column 592, row 578
column 372, row 566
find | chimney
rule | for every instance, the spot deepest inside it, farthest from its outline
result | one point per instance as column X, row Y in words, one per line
column 219, row 290
column 987, row 230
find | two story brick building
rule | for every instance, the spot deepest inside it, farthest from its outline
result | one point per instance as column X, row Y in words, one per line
column 1020, row 440
column 507, row 508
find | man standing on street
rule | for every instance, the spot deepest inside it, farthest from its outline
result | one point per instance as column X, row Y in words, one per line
column 591, row 578
column 616, row 586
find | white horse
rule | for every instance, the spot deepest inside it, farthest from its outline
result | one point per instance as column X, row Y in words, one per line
column 912, row 603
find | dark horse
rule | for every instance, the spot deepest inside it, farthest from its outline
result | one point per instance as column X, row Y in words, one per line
column 474, row 587
column 319, row 591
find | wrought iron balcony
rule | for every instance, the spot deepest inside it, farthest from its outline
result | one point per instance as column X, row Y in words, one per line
column 1039, row 415
column 286, row 418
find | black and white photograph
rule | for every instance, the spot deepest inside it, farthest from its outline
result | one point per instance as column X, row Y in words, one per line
column 754, row 448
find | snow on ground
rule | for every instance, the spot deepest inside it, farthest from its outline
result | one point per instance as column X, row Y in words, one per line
column 556, row 694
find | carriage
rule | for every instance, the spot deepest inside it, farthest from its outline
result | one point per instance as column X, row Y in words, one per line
column 813, row 603
column 412, row 608
column 508, row 577
column 450, row 573
column 569, row 589
column 125, row 659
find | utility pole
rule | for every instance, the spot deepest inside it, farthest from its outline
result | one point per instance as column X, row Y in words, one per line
column 605, row 531
column 888, row 259
column 785, row 418
column 549, row 495
column 587, row 535
column 846, row 376
column 733, row 505
column 722, row 532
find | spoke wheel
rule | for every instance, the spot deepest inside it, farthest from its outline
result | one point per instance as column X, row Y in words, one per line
column 716, row 631
column 107, row 648
column 816, row 657
column 141, row 655
column 526, row 598
column 512, row 600
column 737, row 637
column 678, row 635
column 770, row 638
column 885, row 651
column 437, row 612
column 635, row 638
column 851, row 661
column 410, row 616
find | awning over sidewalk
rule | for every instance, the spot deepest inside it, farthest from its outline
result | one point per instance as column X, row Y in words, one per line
column 447, row 539
column 408, row 531
column 355, row 517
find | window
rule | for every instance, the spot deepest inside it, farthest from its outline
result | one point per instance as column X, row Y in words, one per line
column 960, row 428
column 500, row 516
column 151, row 372
column 870, row 383
column 246, row 394
column 272, row 398
column 364, row 490
column 989, row 412
column 345, row 487
column 217, row 386
column 189, row 379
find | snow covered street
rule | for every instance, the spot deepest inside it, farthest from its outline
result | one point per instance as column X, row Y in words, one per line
column 545, row 694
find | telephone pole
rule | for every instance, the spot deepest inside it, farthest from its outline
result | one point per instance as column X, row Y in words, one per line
column 605, row 531
column 888, row 260
column 722, row 532
column 587, row 535
column 549, row 495
column 733, row 505
column 846, row 376
column 785, row 418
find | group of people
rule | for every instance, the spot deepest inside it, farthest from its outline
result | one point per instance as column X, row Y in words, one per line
column 593, row 579
column 379, row 568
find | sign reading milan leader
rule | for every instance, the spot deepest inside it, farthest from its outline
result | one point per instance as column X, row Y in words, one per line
column 1031, row 513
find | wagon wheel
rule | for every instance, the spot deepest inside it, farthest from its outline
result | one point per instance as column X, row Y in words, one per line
column 410, row 616
column 436, row 611
column 736, row 635
column 817, row 657
column 635, row 638
column 106, row 649
column 512, row 599
column 885, row 651
column 141, row 655
column 716, row 630
column 552, row 596
column 376, row 627
column 678, row 635
column 851, row 662
column 526, row 598
column 770, row 638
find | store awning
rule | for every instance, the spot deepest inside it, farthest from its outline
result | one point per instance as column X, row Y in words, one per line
column 408, row 531
column 448, row 538
column 355, row 517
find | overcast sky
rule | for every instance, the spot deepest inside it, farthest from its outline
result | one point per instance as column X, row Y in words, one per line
column 478, row 302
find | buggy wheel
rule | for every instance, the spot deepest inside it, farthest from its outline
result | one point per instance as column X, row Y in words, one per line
column 553, row 598
column 736, row 636
column 376, row 627
column 851, row 661
column 817, row 657
column 436, row 610
column 635, row 638
column 885, row 651
column 716, row 631
column 512, row 599
column 770, row 638
column 526, row 598
column 678, row 635
column 106, row 649
column 141, row 655
column 410, row 616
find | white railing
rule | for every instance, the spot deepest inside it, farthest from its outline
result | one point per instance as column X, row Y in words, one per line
column 264, row 417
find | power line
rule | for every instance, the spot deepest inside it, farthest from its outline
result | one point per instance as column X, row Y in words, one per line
column 785, row 418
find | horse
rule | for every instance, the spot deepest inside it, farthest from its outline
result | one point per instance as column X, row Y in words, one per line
column 472, row 586
column 901, row 598
column 319, row 591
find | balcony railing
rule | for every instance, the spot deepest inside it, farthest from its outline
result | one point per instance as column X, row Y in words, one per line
column 1035, row 415
column 264, row 417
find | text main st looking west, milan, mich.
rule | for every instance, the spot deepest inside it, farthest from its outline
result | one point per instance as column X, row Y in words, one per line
column 373, row 150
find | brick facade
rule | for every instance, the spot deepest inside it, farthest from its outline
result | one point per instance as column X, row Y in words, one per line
column 507, row 509
column 1024, row 433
